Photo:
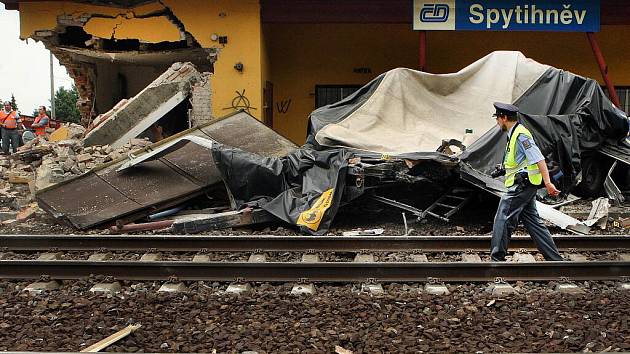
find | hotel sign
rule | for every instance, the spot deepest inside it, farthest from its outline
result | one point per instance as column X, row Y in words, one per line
column 506, row 15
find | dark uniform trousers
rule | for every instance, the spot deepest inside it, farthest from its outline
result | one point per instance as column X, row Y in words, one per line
column 519, row 203
column 9, row 136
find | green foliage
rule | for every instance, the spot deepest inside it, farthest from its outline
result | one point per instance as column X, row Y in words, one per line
column 13, row 103
column 66, row 105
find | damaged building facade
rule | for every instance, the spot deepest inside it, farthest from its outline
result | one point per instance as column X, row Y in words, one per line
column 279, row 60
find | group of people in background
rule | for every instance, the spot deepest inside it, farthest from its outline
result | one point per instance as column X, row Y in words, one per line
column 11, row 125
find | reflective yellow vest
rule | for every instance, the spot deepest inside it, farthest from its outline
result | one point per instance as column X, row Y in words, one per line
column 510, row 164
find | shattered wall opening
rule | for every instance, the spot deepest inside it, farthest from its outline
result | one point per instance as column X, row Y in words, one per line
column 114, row 53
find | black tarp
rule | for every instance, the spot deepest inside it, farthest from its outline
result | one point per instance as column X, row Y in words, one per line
column 568, row 115
column 303, row 188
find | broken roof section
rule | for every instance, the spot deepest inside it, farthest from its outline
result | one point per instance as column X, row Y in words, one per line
column 104, row 195
column 130, row 118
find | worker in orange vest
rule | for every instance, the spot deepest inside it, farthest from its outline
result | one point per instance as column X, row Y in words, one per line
column 41, row 122
column 9, row 122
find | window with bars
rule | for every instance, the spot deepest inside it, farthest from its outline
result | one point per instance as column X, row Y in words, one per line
column 327, row 94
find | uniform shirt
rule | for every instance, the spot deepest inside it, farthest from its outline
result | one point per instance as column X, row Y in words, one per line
column 526, row 148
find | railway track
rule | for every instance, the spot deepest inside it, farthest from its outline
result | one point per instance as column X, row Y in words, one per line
column 296, row 243
column 362, row 269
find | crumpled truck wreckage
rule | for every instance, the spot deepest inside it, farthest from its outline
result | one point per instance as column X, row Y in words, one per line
column 404, row 128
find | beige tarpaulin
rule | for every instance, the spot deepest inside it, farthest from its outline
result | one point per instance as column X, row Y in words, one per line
column 412, row 111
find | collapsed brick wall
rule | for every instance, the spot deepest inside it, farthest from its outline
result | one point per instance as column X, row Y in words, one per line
column 84, row 76
column 201, row 112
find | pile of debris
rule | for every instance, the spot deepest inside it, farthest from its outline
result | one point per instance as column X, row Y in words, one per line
column 42, row 163
column 256, row 176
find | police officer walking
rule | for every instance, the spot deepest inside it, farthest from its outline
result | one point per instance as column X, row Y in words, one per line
column 525, row 170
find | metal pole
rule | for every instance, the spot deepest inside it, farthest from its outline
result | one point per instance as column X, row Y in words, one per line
column 423, row 50
column 52, row 89
column 603, row 68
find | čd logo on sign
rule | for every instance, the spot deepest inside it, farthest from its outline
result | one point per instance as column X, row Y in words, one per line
column 434, row 13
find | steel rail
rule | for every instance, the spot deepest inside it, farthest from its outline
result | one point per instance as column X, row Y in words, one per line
column 318, row 272
column 293, row 243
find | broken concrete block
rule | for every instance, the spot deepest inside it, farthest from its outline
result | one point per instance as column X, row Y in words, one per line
column 84, row 157
column 131, row 118
column 26, row 214
column 16, row 178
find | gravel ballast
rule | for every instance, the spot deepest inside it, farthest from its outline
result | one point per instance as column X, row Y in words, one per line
column 270, row 320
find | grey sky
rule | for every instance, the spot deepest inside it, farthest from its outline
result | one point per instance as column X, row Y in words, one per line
column 25, row 66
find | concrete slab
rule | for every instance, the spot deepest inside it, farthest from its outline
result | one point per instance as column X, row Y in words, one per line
column 523, row 258
column 576, row 257
column 173, row 288
column 364, row 258
column 106, row 288
column 239, row 288
column 436, row 289
column 257, row 258
column 41, row 286
column 310, row 258
column 419, row 258
column 129, row 118
column 201, row 258
column 624, row 286
column 501, row 289
column 624, row 257
column 50, row 256
column 303, row 289
column 471, row 258
column 150, row 257
column 374, row 289
column 99, row 257
column 569, row 289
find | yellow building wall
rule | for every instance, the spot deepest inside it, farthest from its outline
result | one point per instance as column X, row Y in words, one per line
column 240, row 22
column 36, row 16
column 306, row 55
column 571, row 51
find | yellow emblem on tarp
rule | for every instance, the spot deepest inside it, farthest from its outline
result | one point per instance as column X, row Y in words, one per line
column 313, row 216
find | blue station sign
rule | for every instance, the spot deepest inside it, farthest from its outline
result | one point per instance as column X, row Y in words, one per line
column 506, row 15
